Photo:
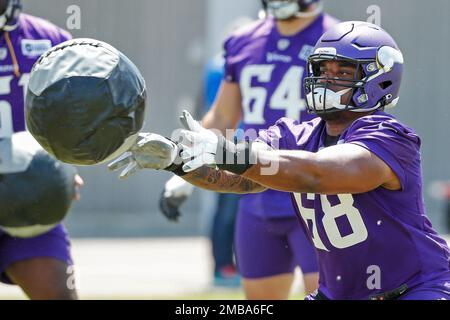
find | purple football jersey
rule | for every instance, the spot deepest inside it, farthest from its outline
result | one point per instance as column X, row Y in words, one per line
column 25, row 44
column 269, row 69
column 372, row 242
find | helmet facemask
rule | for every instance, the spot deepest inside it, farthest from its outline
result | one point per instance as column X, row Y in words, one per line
column 325, row 95
column 9, row 13
column 287, row 9
column 330, row 94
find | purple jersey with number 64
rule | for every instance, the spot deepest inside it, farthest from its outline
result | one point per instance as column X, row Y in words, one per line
column 376, row 241
column 22, row 47
column 269, row 69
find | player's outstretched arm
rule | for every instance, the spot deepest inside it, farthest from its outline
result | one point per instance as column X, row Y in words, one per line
column 345, row 168
column 341, row 169
column 222, row 181
column 153, row 151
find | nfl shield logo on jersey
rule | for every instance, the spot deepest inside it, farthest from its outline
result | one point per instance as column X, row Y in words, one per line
column 35, row 48
column 283, row 44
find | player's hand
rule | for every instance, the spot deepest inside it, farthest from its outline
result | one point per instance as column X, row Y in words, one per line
column 202, row 147
column 151, row 151
column 175, row 193
column 199, row 145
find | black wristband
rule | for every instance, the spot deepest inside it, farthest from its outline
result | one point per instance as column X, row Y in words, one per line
column 177, row 165
column 235, row 156
column 176, row 169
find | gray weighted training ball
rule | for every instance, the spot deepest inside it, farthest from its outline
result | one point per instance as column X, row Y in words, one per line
column 85, row 102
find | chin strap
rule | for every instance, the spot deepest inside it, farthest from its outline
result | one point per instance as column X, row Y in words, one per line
column 283, row 11
column 326, row 99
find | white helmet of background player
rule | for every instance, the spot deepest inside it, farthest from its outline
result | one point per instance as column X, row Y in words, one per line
column 9, row 14
column 286, row 9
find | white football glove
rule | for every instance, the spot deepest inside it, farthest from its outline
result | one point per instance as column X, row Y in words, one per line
column 199, row 145
column 151, row 151
column 175, row 193
column 177, row 187
column 202, row 147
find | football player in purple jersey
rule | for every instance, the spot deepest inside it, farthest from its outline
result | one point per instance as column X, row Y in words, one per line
column 265, row 63
column 354, row 173
column 40, row 265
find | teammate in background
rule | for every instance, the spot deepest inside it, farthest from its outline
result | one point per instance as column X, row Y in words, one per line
column 39, row 265
column 176, row 190
column 264, row 67
column 222, row 235
column 354, row 174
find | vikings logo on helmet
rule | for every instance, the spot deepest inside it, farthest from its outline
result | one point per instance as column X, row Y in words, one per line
column 9, row 13
column 286, row 9
column 379, row 67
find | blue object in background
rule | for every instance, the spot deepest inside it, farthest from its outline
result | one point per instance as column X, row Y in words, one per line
column 222, row 233
column 213, row 75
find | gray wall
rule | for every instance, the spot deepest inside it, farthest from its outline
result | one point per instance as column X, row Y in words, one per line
column 170, row 39
column 219, row 15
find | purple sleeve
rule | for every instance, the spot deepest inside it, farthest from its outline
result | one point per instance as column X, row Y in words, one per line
column 58, row 35
column 64, row 35
column 283, row 135
column 229, row 67
column 392, row 142
column 38, row 28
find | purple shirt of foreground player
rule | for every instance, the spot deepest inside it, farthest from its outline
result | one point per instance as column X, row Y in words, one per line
column 372, row 242
column 19, row 50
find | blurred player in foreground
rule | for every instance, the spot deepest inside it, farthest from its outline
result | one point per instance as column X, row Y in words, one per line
column 39, row 265
column 265, row 63
column 354, row 174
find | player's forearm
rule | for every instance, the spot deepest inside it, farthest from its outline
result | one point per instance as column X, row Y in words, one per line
column 222, row 181
column 213, row 120
column 226, row 111
column 290, row 171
